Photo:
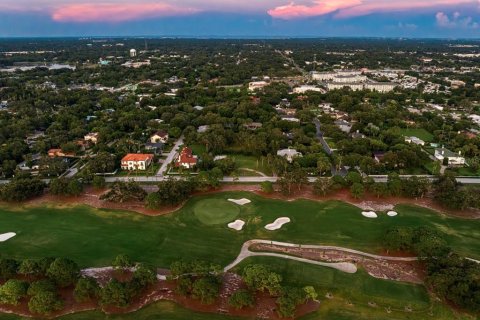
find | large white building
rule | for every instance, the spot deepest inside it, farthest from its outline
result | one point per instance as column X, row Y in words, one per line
column 257, row 85
column 133, row 53
column 380, row 86
column 341, row 85
column 322, row 76
column 453, row 158
column 357, row 78
column 306, row 88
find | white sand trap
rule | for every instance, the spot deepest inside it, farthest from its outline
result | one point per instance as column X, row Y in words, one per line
column 6, row 236
column 369, row 214
column 237, row 225
column 240, row 202
column 392, row 213
column 277, row 224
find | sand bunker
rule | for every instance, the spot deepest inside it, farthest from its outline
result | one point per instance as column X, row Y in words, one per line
column 240, row 202
column 236, row 225
column 369, row 214
column 277, row 224
column 392, row 213
column 6, row 236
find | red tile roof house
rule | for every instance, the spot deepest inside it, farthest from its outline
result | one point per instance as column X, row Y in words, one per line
column 136, row 161
column 186, row 159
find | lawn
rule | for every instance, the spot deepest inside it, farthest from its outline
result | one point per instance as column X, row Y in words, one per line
column 151, row 171
column 250, row 162
column 419, row 133
column 94, row 237
column 198, row 231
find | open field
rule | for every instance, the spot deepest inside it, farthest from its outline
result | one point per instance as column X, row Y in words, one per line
column 94, row 237
column 419, row 133
column 250, row 162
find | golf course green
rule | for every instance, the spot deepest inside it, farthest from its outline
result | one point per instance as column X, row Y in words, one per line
column 94, row 237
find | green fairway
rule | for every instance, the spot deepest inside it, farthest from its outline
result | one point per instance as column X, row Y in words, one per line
column 198, row 231
column 214, row 211
column 93, row 237
column 419, row 133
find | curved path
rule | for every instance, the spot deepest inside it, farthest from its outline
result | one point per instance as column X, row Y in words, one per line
column 342, row 266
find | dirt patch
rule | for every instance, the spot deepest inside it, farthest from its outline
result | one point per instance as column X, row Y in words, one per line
column 405, row 271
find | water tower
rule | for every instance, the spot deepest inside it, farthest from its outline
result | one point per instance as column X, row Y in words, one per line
column 133, row 53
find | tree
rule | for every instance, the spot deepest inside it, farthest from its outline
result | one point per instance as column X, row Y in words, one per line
column 8, row 268
column 41, row 286
column 324, row 165
column 124, row 192
column 259, row 278
column 267, row 187
column 206, row 289
column 45, row 302
column 115, row 293
column 379, row 189
column 144, row 275
column 29, row 267
column 75, row 187
column 86, row 289
column 289, row 300
column 63, row 272
column 21, row 189
column 122, row 262
column 322, row 186
column 241, row 299
column 357, row 190
column 171, row 192
column 98, row 182
column 353, row 177
column 12, row 291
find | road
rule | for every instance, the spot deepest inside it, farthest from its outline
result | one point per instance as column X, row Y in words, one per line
column 376, row 178
column 343, row 171
column 170, row 157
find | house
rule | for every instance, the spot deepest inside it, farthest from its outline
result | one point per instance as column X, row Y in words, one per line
column 289, row 154
column 56, row 152
column 159, row 136
column 357, row 135
column 415, row 140
column 203, row 129
column 253, row 125
column 136, row 161
column 257, row 85
column 306, row 88
column 156, row 147
column 186, row 159
column 343, row 125
column 91, row 137
column 454, row 159
column 378, row 156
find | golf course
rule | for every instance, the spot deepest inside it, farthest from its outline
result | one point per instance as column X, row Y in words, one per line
column 198, row 230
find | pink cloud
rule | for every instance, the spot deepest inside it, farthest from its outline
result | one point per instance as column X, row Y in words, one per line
column 110, row 12
column 350, row 8
column 318, row 8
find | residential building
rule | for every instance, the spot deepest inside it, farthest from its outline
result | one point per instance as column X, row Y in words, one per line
column 454, row 159
column 253, row 125
column 159, row 136
column 136, row 161
column 156, row 147
column 289, row 154
column 341, row 85
column 322, row 76
column 343, row 125
column 91, row 137
column 58, row 153
column 415, row 140
column 257, row 85
column 186, row 159
column 380, row 86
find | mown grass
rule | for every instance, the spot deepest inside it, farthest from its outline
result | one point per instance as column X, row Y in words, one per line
column 419, row 133
column 94, row 237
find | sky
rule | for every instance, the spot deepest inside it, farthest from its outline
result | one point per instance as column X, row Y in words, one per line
column 241, row 18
